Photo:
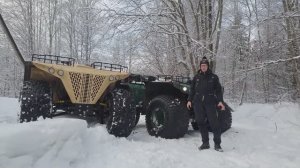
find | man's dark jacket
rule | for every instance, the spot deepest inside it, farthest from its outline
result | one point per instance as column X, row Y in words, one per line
column 206, row 88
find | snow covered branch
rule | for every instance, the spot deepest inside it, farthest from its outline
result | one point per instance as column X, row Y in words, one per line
column 263, row 65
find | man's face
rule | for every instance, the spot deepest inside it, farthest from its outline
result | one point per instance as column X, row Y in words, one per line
column 203, row 67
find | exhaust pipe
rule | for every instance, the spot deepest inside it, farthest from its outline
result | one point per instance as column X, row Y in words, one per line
column 11, row 40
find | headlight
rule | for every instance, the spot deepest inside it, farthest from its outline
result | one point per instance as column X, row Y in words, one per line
column 111, row 78
column 51, row 70
column 184, row 89
column 60, row 72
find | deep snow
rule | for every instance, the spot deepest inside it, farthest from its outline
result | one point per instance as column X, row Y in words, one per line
column 262, row 136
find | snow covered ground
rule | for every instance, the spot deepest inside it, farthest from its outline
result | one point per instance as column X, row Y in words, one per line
column 262, row 136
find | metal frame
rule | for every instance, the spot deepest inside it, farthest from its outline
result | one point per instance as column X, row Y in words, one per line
column 53, row 59
column 179, row 79
column 110, row 67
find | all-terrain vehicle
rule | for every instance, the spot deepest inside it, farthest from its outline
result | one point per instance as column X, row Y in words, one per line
column 163, row 100
column 105, row 93
column 55, row 85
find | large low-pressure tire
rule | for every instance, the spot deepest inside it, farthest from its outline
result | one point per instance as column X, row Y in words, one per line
column 167, row 117
column 225, row 118
column 121, row 119
column 36, row 101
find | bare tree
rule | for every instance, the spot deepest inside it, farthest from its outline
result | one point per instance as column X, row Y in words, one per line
column 293, row 30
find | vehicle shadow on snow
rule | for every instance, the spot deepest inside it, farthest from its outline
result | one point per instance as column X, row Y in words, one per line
column 140, row 133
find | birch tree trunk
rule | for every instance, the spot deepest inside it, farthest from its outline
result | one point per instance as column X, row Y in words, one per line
column 293, row 46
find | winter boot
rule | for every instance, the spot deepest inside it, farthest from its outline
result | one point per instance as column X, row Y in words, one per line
column 218, row 148
column 205, row 145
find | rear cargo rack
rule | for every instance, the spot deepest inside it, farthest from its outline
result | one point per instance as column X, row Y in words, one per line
column 182, row 79
column 170, row 78
column 53, row 59
column 109, row 67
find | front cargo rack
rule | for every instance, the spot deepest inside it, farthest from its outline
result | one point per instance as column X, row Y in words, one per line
column 53, row 59
column 109, row 67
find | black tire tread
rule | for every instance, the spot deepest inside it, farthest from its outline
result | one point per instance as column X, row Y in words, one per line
column 35, row 101
column 176, row 118
column 121, row 120
column 225, row 119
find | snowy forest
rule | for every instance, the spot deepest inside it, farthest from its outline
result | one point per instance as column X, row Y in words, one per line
column 253, row 45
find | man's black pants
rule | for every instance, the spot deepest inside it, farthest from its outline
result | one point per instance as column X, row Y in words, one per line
column 207, row 111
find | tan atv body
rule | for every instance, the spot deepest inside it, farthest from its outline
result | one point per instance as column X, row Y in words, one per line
column 83, row 84
column 55, row 85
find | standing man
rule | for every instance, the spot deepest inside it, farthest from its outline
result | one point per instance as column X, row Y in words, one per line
column 205, row 96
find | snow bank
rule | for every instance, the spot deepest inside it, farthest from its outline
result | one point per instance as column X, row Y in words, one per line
column 262, row 136
column 9, row 107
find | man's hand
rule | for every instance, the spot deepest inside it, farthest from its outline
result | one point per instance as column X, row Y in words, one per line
column 189, row 105
column 221, row 106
